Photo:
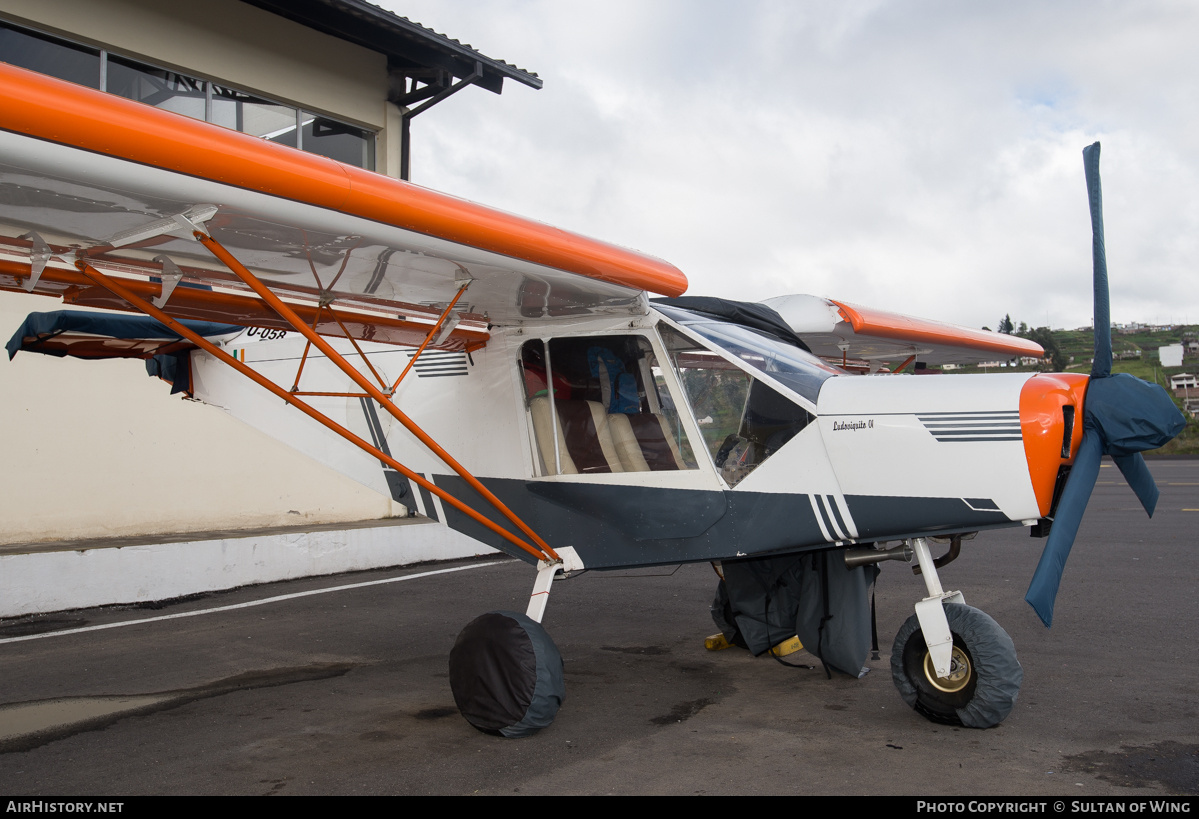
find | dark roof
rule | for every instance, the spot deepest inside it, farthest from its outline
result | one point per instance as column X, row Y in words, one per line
column 406, row 44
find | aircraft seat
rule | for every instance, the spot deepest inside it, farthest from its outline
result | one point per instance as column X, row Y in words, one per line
column 585, row 443
column 644, row 442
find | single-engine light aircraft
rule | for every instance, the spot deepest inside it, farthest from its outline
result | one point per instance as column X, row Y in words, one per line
column 517, row 383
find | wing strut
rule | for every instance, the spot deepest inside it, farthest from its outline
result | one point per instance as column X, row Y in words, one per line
column 288, row 315
column 544, row 553
column 432, row 334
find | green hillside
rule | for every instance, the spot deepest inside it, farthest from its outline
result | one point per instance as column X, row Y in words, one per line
column 1079, row 346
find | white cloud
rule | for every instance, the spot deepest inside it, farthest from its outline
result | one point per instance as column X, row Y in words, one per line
column 917, row 156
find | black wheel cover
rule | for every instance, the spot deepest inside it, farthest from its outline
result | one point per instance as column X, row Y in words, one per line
column 506, row 674
column 989, row 694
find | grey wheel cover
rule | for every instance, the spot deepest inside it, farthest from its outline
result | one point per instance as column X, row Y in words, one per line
column 993, row 653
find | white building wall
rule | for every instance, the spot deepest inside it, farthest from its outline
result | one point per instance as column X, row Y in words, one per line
column 95, row 449
column 98, row 449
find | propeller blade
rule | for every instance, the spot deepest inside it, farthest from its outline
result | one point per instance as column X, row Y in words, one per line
column 1042, row 591
column 1123, row 416
column 1134, row 470
column 1102, row 364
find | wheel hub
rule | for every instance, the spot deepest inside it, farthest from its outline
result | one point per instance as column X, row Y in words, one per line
column 960, row 672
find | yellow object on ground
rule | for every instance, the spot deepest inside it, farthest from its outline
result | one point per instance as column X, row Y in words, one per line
column 789, row 646
column 716, row 642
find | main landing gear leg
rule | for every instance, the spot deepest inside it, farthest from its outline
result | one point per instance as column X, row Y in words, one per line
column 505, row 671
column 953, row 663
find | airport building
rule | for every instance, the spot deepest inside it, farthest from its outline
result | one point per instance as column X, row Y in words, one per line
column 97, row 449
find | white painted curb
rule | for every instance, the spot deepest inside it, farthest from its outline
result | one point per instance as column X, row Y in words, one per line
column 37, row 582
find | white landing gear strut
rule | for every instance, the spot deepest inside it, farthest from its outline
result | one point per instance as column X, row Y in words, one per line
column 547, row 570
column 931, row 610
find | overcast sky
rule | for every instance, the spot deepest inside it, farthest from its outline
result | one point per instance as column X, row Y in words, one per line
column 923, row 157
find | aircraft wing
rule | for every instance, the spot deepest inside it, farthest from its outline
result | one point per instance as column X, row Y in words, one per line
column 839, row 330
column 85, row 173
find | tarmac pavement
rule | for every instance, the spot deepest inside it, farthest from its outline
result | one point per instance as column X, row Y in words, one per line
column 346, row 691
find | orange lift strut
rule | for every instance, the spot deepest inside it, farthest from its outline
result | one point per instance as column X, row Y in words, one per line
column 288, row 315
column 210, row 348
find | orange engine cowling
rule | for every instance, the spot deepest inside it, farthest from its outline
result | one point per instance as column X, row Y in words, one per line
column 1051, row 407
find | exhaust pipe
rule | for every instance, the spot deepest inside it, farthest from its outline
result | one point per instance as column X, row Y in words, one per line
column 866, row 557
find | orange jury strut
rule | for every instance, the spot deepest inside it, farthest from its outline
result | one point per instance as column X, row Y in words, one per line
column 429, row 337
column 203, row 343
column 362, row 381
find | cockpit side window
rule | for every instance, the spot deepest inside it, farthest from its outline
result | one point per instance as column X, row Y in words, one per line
column 743, row 420
column 609, row 409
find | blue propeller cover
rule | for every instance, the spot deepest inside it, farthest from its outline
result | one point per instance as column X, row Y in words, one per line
column 1132, row 415
column 1123, row 416
column 1042, row 591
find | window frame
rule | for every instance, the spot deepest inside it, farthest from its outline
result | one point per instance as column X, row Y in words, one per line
column 370, row 141
column 753, row 373
column 539, row 470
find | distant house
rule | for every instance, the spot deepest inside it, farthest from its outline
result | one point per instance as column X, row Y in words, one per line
column 1170, row 355
column 1184, row 381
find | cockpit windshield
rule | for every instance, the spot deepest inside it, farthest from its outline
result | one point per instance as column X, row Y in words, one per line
column 791, row 366
column 743, row 420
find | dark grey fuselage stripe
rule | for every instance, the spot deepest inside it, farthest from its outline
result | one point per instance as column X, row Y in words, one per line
column 397, row 484
column 427, row 497
column 824, row 517
column 376, row 429
column 832, row 504
column 599, row 521
column 967, row 427
column 970, row 414
column 440, row 364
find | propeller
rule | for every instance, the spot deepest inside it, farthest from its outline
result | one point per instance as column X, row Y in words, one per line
column 1122, row 417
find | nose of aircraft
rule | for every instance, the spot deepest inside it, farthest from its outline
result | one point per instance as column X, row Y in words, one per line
column 1051, row 406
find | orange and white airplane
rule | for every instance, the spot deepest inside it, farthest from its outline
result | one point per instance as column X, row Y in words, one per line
column 516, row 383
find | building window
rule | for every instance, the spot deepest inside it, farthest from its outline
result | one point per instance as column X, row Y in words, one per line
column 254, row 115
column 190, row 96
column 339, row 141
column 155, row 86
column 49, row 55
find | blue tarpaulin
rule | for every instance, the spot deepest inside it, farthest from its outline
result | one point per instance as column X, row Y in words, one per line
column 101, row 335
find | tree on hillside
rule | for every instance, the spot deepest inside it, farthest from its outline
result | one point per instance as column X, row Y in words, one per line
column 1005, row 325
column 1055, row 360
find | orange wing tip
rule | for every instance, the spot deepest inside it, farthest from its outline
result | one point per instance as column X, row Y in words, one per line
column 867, row 321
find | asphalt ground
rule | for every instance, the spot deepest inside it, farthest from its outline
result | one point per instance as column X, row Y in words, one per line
column 346, row 692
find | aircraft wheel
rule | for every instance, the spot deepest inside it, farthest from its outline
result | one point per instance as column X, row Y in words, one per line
column 506, row 674
column 984, row 679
